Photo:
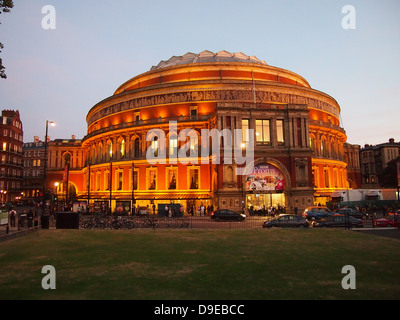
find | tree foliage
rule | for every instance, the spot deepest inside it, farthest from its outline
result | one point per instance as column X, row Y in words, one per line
column 5, row 6
column 388, row 177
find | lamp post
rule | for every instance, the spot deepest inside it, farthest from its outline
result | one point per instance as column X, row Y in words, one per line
column 45, row 161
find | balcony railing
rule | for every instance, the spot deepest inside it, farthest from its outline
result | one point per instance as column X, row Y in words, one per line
column 139, row 123
column 326, row 125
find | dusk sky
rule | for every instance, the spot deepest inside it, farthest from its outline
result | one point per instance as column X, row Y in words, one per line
column 59, row 74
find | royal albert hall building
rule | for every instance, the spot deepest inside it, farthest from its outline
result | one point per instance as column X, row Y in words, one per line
column 298, row 158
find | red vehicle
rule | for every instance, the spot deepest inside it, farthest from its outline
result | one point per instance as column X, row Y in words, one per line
column 395, row 213
column 391, row 221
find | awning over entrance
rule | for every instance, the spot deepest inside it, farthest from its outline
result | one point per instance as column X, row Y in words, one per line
column 173, row 197
column 372, row 195
column 197, row 196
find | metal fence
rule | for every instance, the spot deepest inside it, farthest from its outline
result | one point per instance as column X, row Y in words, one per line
column 157, row 222
column 154, row 222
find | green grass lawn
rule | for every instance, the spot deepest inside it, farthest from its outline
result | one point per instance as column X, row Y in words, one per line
column 200, row 264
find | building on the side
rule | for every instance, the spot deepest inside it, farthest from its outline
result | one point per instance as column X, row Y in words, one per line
column 11, row 156
column 33, row 183
column 374, row 158
column 66, row 160
column 352, row 159
column 292, row 131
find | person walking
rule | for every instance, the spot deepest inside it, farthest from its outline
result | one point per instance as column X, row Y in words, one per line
column 12, row 215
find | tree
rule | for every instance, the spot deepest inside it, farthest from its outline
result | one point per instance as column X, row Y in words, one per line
column 5, row 6
column 388, row 177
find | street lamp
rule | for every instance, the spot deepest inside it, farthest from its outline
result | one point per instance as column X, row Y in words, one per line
column 51, row 123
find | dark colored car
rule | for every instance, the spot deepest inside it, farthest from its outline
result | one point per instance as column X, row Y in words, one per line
column 287, row 221
column 317, row 213
column 352, row 212
column 338, row 221
column 227, row 215
column 391, row 221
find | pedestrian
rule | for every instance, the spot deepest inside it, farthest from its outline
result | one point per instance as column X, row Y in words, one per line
column 169, row 212
column 30, row 218
column 12, row 215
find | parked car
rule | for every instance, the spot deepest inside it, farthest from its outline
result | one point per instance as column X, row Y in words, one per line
column 352, row 212
column 338, row 220
column 226, row 214
column 143, row 211
column 397, row 212
column 317, row 213
column 287, row 221
column 391, row 221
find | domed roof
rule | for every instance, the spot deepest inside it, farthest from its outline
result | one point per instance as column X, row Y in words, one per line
column 208, row 56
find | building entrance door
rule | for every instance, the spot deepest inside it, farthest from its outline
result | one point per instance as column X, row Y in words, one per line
column 265, row 201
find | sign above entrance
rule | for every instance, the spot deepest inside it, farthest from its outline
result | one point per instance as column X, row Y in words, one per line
column 265, row 177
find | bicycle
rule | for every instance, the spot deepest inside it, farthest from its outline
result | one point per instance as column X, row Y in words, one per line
column 122, row 223
column 93, row 223
column 151, row 223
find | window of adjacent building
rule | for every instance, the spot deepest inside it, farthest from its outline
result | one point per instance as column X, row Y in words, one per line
column 262, row 131
column 4, row 146
column 194, row 178
column 279, row 131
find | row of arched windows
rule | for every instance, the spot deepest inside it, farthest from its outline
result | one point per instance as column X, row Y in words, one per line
column 327, row 147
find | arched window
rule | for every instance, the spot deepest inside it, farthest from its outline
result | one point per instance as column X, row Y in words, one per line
column 109, row 150
column 67, row 158
column 154, row 146
column 323, row 147
column 229, row 174
column 122, row 148
column 173, row 145
column 100, row 154
column 334, row 149
column 137, row 148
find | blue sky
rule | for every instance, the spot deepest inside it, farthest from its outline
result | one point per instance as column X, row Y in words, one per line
column 97, row 45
